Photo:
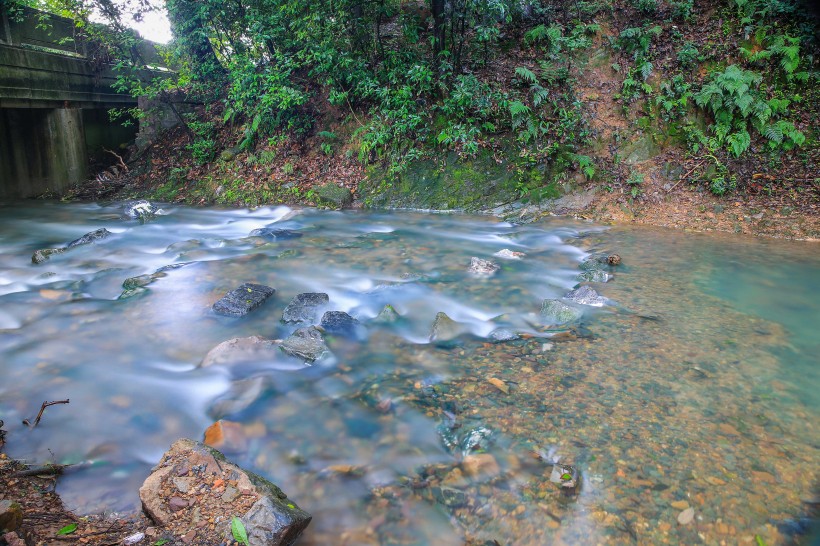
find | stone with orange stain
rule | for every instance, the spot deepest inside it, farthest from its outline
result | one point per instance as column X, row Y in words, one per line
column 480, row 464
column 226, row 436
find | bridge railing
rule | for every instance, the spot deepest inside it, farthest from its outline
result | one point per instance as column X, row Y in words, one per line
column 30, row 28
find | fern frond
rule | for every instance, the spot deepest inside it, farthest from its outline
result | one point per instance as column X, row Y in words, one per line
column 526, row 74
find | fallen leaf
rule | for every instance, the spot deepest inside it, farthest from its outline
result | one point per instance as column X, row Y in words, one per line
column 500, row 385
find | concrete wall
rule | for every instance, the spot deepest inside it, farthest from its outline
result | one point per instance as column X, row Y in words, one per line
column 41, row 151
column 101, row 132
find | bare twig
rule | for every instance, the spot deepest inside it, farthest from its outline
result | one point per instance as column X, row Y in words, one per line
column 684, row 177
column 42, row 409
column 46, row 470
column 118, row 156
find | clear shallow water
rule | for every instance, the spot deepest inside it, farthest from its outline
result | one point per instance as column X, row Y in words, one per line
column 714, row 403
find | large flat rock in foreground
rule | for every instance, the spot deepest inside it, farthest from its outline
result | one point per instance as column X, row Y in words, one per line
column 194, row 492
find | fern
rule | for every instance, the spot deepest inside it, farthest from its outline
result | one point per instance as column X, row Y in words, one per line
column 526, row 74
column 739, row 142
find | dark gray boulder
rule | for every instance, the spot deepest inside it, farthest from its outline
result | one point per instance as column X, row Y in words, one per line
column 88, row 238
column 243, row 300
column 305, row 307
column 306, row 343
column 44, row 254
column 341, row 324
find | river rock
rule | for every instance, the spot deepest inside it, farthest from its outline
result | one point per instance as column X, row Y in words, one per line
column 88, row 238
column 501, row 335
column 11, row 516
column 593, row 275
column 333, row 195
column 388, row 315
column 508, row 254
column 140, row 210
column 481, row 267
column 565, row 476
column 239, row 397
column 340, row 323
column 445, row 329
column 585, row 295
column 276, row 234
column 243, row 300
column 306, row 343
column 44, row 254
column 305, row 307
column 686, row 516
column 240, row 350
column 556, row 312
column 269, row 517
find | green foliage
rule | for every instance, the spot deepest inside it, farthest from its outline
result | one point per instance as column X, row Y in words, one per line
column 634, row 181
column 646, row 7
column 682, row 9
column 737, row 103
column 68, row 529
column 673, row 97
column 636, row 41
column 238, row 531
column 688, row 54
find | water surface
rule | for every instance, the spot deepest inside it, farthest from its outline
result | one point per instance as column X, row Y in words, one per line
column 696, row 387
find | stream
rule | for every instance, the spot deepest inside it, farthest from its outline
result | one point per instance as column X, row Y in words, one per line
column 696, row 385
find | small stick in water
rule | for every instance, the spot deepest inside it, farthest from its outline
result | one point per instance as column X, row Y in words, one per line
column 42, row 409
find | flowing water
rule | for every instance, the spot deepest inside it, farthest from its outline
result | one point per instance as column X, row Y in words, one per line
column 695, row 386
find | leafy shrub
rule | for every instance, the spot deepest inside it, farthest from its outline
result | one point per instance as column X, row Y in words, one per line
column 736, row 102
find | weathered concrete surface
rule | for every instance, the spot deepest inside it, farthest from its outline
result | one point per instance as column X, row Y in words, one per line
column 40, row 151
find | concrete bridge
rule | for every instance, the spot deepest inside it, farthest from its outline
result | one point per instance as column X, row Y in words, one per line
column 54, row 102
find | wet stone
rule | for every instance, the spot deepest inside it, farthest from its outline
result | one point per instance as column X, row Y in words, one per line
column 88, row 238
column 243, row 300
column 306, row 343
column 276, row 234
column 450, row 497
column 501, row 335
column 387, row 315
column 593, row 275
column 445, row 329
column 557, row 312
column 586, row 296
column 566, row 477
column 140, row 210
column 240, row 350
column 340, row 323
column 508, row 254
column 482, row 267
column 44, row 254
column 305, row 307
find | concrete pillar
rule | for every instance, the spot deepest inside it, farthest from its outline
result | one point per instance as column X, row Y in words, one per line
column 42, row 151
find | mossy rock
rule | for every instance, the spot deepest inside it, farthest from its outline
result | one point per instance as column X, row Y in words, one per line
column 464, row 184
column 334, row 196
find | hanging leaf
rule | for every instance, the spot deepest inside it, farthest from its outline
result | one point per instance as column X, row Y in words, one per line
column 68, row 529
column 238, row 531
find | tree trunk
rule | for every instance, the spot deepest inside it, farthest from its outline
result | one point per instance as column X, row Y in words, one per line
column 188, row 24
